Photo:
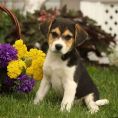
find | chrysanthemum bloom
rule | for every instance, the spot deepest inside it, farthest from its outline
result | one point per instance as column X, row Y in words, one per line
column 35, row 53
column 35, row 69
column 7, row 53
column 26, row 83
column 15, row 68
column 21, row 48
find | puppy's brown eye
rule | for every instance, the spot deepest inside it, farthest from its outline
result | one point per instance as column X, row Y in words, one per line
column 54, row 34
column 67, row 37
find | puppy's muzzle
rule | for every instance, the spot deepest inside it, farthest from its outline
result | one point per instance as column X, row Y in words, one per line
column 58, row 47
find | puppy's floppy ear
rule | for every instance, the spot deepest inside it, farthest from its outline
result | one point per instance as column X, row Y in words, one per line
column 45, row 27
column 80, row 35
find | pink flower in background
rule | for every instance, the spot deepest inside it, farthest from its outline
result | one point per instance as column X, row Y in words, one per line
column 48, row 15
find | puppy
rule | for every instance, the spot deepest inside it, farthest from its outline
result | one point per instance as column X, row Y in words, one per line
column 63, row 70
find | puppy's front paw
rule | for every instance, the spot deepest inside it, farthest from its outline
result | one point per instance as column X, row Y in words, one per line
column 36, row 101
column 94, row 109
column 65, row 106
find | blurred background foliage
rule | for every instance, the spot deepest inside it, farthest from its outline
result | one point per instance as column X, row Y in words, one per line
column 99, row 41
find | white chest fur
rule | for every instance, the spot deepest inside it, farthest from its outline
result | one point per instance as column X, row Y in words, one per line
column 57, row 72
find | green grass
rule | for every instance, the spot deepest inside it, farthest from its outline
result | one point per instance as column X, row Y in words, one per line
column 21, row 106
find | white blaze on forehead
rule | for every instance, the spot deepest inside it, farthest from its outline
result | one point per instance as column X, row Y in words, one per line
column 59, row 41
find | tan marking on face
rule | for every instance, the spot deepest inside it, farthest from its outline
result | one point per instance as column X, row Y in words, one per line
column 67, row 32
column 69, row 42
column 50, row 38
column 57, row 30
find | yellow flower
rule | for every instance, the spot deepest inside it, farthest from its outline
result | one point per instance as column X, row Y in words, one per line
column 35, row 53
column 35, row 69
column 21, row 48
column 15, row 68
column 32, row 64
column 29, row 71
column 38, row 75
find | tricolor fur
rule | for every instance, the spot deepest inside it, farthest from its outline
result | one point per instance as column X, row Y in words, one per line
column 63, row 70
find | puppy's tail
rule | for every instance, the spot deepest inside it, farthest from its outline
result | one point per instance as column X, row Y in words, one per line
column 102, row 102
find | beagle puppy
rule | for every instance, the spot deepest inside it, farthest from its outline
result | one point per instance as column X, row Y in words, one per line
column 63, row 70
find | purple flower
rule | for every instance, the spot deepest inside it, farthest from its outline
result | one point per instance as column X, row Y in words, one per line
column 26, row 84
column 7, row 53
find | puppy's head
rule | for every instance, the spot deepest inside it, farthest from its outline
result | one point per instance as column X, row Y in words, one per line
column 64, row 35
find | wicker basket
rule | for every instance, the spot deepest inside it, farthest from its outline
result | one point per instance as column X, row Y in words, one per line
column 14, row 19
column 4, row 88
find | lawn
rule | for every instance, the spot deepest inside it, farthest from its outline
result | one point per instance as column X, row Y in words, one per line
column 21, row 106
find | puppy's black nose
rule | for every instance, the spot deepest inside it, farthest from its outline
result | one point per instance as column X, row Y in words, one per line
column 58, row 46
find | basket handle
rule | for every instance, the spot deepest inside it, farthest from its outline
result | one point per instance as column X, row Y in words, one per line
column 14, row 19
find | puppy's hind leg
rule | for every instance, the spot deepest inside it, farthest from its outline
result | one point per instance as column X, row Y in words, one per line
column 91, row 104
column 42, row 91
